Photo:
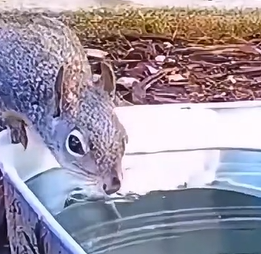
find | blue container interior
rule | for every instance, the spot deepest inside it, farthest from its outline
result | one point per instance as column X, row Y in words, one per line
column 183, row 221
column 225, row 217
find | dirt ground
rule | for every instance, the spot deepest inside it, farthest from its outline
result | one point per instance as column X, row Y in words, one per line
column 170, row 55
column 178, row 55
column 155, row 70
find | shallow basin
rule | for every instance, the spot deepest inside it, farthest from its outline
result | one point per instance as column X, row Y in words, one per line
column 184, row 221
column 195, row 171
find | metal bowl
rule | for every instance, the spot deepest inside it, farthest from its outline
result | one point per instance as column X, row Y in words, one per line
column 186, row 221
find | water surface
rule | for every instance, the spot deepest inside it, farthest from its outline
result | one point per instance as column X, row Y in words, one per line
column 220, row 216
column 164, row 222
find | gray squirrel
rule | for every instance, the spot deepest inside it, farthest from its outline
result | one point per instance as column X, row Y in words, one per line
column 46, row 85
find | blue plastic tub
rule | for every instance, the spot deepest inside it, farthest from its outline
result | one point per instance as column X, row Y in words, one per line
column 221, row 214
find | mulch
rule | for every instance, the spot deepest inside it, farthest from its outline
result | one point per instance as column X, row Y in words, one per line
column 175, row 55
column 153, row 69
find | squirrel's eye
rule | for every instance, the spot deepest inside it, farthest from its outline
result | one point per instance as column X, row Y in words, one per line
column 75, row 144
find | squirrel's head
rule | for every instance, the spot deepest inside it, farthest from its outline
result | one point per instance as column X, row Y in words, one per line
column 86, row 135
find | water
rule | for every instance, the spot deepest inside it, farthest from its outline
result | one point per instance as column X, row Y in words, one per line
column 237, row 170
column 213, row 218
column 219, row 216
column 167, row 221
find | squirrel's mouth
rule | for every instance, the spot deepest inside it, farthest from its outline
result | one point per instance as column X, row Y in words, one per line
column 85, row 194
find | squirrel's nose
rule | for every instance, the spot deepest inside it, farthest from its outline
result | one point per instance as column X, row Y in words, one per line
column 112, row 186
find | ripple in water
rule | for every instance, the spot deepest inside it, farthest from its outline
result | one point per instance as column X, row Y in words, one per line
column 185, row 221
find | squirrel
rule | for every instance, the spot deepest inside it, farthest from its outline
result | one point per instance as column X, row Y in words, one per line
column 46, row 85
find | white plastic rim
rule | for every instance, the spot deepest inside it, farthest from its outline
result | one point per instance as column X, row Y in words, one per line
column 165, row 129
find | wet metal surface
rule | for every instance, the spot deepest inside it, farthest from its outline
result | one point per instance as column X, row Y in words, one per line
column 162, row 222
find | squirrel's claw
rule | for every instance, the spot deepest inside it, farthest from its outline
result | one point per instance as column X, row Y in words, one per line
column 17, row 130
column 18, row 135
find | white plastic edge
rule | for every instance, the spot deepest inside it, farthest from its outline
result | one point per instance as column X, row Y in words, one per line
column 203, row 116
column 41, row 211
column 208, row 105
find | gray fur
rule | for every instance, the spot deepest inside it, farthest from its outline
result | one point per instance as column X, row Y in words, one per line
column 34, row 48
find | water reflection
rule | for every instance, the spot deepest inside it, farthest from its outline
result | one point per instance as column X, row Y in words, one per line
column 224, row 169
column 184, row 221
column 239, row 170
column 169, row 170
column 221, row 215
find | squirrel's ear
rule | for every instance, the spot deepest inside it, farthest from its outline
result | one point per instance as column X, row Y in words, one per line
column 58, row 91
column 107, row 79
